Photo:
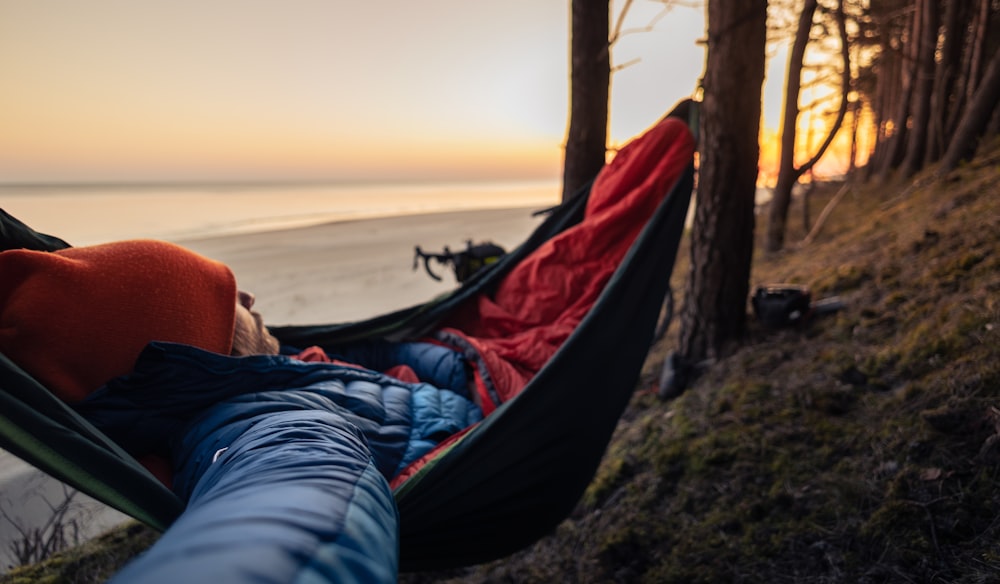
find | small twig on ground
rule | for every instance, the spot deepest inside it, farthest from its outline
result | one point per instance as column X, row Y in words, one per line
column 825, row 214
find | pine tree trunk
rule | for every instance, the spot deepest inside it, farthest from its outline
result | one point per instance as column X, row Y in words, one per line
column 787, row 173
column 889, row 87
column 993, row 128
column 788, row 176
column 586, row 140
column 714, row 309
column 976, row 117
column 895, row 145
column 923, row 86
column 978, row 48
column 944, row 80
column 973, row 31
column 852, row 168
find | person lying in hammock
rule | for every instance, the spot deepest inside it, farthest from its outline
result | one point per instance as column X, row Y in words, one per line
column 280, row 461
column 286, row 461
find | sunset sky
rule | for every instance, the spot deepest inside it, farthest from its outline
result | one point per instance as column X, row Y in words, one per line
column 244, row 90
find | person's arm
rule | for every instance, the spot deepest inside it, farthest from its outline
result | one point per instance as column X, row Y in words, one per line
column 291, row 496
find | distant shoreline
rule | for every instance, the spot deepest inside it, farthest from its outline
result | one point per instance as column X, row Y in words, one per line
column 350, row 270
column 10, row 187
column 93, row 214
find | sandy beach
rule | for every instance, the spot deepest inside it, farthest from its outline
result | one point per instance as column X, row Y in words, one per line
column 334, row 272
column 351, row 270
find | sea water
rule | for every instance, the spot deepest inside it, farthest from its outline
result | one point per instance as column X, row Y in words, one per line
column 90, row 214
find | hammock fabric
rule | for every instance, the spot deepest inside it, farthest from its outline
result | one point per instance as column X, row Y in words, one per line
column 513, row 477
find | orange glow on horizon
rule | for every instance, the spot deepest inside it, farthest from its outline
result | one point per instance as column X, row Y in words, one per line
column 477, row 92
column 264, row 154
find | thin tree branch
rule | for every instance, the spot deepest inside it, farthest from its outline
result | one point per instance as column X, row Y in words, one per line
column 825, row 214
column 617, row 33
column 845, row 89
column 649, row 27
column 617, row 68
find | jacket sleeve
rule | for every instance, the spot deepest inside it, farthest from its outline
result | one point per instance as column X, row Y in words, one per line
column 439, row 366
column 294, row 497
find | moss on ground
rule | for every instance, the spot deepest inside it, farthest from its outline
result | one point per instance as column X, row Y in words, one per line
column 94, row 561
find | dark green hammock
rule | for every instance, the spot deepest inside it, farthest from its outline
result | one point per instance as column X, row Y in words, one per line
column 506, row 483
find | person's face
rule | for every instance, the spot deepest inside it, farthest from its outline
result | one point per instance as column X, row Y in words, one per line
column 250, row 336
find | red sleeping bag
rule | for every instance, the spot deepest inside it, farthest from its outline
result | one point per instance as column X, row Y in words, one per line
column 543, row 299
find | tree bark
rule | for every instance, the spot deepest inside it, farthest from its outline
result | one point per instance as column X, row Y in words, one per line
column 787, row 173
column 714, row 310
column 887, row 74
column 976, row 116
column 923, row 87
column 590, row 78
column 978, row 15
column 993, row 128
column 977, row 49
column 896, row 142
column 852, row 168
column 944, row 80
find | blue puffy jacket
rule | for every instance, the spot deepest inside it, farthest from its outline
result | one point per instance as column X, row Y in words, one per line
column 283, row 464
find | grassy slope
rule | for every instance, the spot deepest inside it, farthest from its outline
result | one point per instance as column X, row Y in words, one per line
column 862, row 447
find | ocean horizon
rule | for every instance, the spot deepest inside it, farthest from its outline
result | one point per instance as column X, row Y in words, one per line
column 87, row 214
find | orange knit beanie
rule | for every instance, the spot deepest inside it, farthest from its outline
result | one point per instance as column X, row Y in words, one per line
column 78, row 317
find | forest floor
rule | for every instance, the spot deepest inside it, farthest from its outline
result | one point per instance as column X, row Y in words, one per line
column 857, row 447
